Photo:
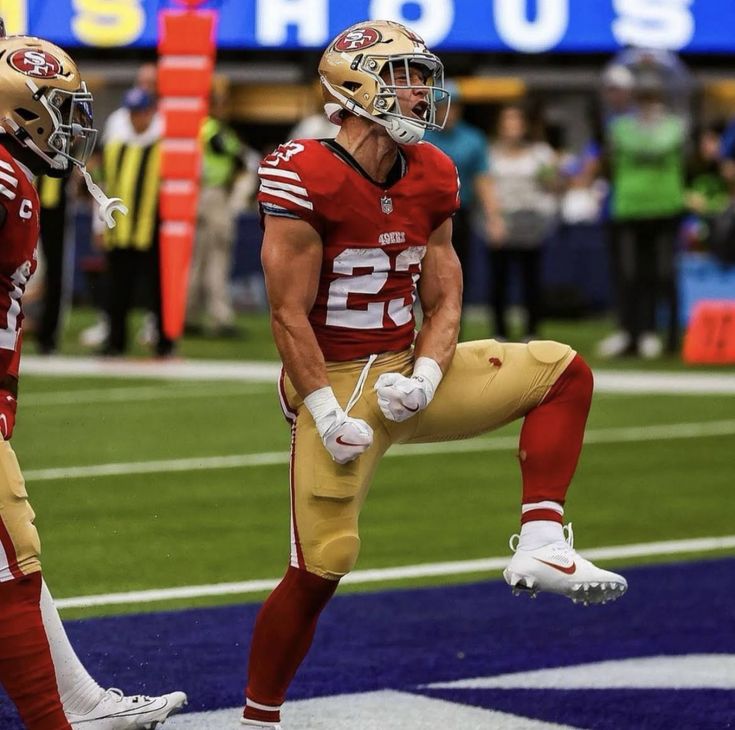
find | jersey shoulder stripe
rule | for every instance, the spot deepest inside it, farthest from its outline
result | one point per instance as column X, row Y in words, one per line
column 7, row 192
column 274, row 172
column 280, row 183
column 7, row 166
column 277, row 185
column 10, row 179
column 276, row 193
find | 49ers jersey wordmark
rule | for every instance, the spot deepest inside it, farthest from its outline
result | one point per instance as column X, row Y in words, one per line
column 18, row 238
column 374, row 237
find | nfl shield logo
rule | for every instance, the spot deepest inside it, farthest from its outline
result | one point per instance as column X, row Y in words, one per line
column 386, row 205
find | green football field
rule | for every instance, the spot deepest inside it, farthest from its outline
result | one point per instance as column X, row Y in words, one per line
column 173, row 515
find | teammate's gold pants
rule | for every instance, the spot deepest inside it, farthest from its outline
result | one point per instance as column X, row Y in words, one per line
column 20, row 547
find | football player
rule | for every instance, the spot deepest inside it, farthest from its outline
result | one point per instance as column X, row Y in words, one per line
column 45, row 128
column 355, row 229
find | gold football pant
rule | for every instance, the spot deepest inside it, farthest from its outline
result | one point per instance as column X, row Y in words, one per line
column 487, row 385
column 20, row 546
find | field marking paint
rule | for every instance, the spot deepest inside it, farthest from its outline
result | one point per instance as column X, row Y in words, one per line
column 142, row 393
column 692, row 671
column 61, row 366
column 606, row 381
column 425, row 570
column 661, row 432
column 381, row 710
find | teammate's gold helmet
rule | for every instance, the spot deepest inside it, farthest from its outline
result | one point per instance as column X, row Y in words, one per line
column 358, row 69
column 45, row 108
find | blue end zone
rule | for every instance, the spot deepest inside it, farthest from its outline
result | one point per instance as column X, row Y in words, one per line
column 405, row 638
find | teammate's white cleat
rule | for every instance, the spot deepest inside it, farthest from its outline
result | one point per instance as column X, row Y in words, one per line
column 559, row 568
column 116, row 711
column 259, row 724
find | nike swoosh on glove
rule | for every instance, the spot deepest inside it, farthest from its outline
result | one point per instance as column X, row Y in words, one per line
column 347, row 437
column 400, row 397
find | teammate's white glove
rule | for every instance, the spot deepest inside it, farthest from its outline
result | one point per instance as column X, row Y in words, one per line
column 344, row 437
column 400, row 397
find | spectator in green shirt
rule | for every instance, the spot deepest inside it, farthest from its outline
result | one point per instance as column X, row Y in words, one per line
column 647, row 158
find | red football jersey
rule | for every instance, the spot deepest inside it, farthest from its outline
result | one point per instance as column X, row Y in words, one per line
column 374, row 237
column 18, row 238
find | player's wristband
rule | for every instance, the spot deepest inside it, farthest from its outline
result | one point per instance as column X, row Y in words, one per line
column 428, row 369
column 322, row 404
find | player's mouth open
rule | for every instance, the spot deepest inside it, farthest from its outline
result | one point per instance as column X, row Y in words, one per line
column 420, row 110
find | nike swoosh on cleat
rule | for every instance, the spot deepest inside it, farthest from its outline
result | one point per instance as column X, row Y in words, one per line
column 408, row 408
column 346, row 443
column 561, row 568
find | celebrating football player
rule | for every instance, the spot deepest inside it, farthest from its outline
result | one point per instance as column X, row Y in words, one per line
column 355, row 229
column 45, row 128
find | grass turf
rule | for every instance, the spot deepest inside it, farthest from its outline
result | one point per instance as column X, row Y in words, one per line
column 130, row 532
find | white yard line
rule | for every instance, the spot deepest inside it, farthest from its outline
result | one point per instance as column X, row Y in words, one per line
column 61, row 366
column 663, row 432
column 606, row 381
column 360, row 577
column 142, row 393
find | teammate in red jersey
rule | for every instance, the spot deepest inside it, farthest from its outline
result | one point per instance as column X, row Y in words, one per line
column 355, row 230
column 45, row 128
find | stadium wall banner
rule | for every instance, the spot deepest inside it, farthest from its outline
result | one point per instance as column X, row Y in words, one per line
column 527, row 26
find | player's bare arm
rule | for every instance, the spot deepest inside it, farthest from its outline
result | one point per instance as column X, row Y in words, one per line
column 440, row 294
column 292, row 257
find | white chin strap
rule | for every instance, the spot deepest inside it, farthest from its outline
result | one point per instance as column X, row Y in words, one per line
column 400, row 130
column 403, row 131
column 107, row 206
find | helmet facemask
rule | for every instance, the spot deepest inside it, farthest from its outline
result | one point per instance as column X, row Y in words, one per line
column 425, row 112
column 73, row 138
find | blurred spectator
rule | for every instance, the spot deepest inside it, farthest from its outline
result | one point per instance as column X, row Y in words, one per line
column 707, row 194
column 647, row 158
column 617, row 92
column 118, row 124
column 584, row 189
column 525, row 174
column 130, row 169
column 468, row 149
column 209, row 277
column 52, row 194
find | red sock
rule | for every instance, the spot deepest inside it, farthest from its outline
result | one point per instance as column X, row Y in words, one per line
column 551, row 441
column 26, row 669
column 283, row 633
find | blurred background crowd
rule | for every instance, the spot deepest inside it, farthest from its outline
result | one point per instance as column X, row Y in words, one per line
column 592, row 191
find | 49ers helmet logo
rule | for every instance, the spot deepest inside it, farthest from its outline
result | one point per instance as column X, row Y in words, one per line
column 37, row 63
column 357, row 39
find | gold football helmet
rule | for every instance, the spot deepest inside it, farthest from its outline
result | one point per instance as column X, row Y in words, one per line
column 358, row 75
column 45, row 108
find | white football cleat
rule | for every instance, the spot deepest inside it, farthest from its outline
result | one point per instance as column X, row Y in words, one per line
column 559, row 568
column 115, row 711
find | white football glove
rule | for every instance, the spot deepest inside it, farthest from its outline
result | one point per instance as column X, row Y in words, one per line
column 344, row 437
column 400, row 397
